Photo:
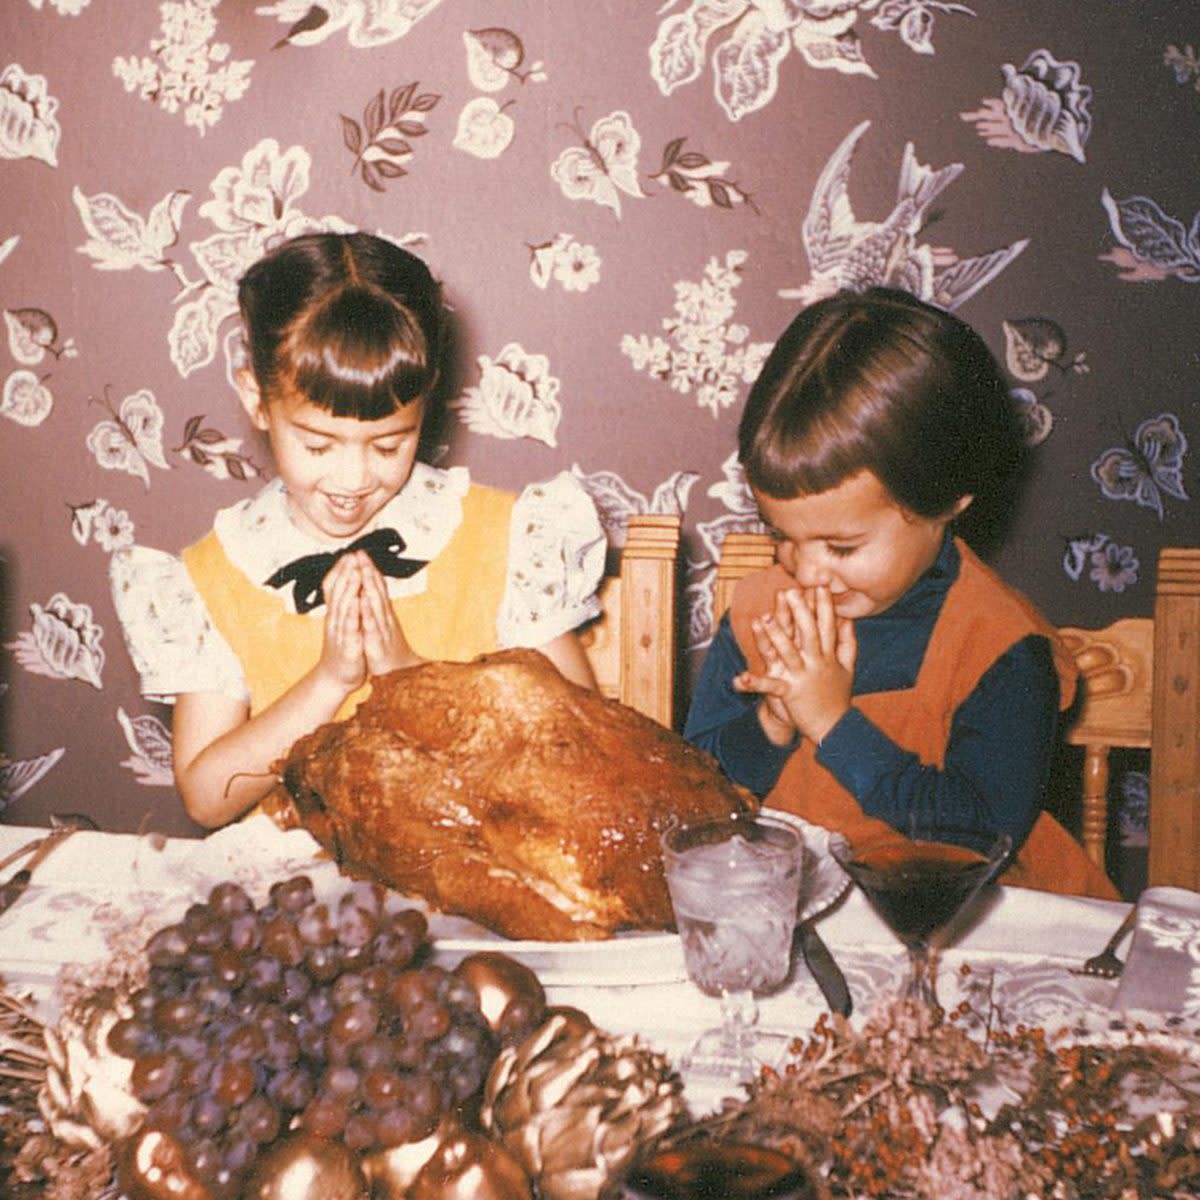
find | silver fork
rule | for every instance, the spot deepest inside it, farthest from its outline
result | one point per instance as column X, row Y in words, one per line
column 1106, row 964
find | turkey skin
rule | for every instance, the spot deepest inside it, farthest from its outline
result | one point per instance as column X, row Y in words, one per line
column 500, row 791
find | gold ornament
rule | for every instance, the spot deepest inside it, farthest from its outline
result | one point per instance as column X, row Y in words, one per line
column 152, row 1165
column 574, row 1105
column 87, row 1099
column 511, row 996
column 469, row 1166
column 303, row 1167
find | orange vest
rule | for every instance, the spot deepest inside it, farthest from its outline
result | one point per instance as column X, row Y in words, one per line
column 981, row 619
column 453, row 619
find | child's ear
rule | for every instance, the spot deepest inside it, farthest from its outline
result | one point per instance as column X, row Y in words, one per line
column 251, row 398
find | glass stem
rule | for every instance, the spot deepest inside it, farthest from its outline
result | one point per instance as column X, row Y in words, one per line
column 739, row 1012
column 922, row 977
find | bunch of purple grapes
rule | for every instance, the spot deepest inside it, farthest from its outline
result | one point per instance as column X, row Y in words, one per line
column 326, row 1017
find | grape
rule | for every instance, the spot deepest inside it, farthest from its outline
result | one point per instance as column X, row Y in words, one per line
column 292, row 1088
column 228, row 967
column 154, row 1075
column 340, row 1082
column 233, row 1082
column 206, row 1159
column 354, row 1023
column 207, row 1113
column 315, row 927
column 291, row 895
column 427, row 1022
column 381, row 1087
column 167, row 947
column 245, row 1041
column 281, row 939
column 260, row 1119
column 294, row 986
column 323, row 963
column 177, row 1014
column 229, row 899
column 243, row 933
column 130, row 1037
column 325, row 1117
column 359, row 1133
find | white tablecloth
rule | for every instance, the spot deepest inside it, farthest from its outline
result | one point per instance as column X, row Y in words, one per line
column 103, row 892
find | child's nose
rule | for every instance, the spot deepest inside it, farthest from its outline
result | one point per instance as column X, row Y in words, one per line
column 811, row 570
column 353, row 470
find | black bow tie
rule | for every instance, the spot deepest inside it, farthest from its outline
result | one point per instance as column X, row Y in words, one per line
column 383, row 547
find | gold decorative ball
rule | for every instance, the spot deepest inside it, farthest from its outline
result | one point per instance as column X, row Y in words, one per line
column 390, row 1173
column 469, row 1166
column 511, row 996
column 302, row 1167
column 151, row 1165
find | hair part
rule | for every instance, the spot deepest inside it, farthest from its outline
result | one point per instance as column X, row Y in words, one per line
column 351, row 322
column 880, row 381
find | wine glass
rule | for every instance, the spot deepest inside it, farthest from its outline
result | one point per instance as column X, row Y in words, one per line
column 735, row 884
column 919, row 884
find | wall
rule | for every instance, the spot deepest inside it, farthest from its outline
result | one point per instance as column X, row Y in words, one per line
column 624, row 219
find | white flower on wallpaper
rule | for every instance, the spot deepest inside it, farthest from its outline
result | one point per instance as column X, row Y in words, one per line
column 574, row 265
column 616, row 501
column 484, row 128
column 705, row 351
column 17, row 777
column 845, row 252
column 1044, row 107
column 603, row 165
column 495, row 57
column 758, row 35
column 26, row 399
column 67, row 8
column 186, row 70
column 32, row 334
column 120, row 239
column 97, row 520
column 1151, row 245
column 29, row 125
column 149, row 741
column 130, row 440
column 63, row 643
column 517, row 397
column 366, row 22
column 1147, row 467
column 1113, row 567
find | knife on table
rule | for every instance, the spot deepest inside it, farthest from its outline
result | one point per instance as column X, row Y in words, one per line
column 13, row 888
column 824, row 970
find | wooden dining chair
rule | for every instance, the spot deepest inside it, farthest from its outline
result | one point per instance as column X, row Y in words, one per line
column 632, row 645
column 1139, row 688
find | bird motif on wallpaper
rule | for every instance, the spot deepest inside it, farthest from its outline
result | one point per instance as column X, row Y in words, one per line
column 845, row 252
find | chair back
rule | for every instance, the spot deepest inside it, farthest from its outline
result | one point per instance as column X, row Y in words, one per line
column 632, row 645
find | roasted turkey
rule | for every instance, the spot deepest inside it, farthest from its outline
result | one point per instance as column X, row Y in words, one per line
column 499, row 791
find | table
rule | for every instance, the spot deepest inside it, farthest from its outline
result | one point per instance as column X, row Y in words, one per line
column 101, row 892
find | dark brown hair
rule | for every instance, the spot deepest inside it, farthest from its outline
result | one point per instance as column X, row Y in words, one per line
column 880, row 381
column 350, row 321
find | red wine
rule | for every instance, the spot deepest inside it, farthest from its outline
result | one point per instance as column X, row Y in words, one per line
column 719, row 1171
column 918, row 887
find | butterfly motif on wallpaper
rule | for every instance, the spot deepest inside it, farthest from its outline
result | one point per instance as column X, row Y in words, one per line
column 1148, row 467
column 132, row 438
column 604, row 165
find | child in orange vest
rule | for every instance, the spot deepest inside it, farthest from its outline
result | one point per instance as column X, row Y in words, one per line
column 879, row 675
column 356, row 559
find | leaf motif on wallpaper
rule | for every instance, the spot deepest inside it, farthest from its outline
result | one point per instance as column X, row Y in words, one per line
column 150, row 741
column 699, row 178
column 604, row 165
column 111, row 528
column 32, row 334
column 219, row 455
column 132, row 438
column 484, row 129
column 367, row 22
column 8, row 246
column 193, row 336
column 1033, row 345
column 495, row 56
column 747, row 65
column 380, row 144
column 120, row 239
column 26, row 399
column 17, row 777
column 845, row 252
column 29, row 125
column 678, row 50
column 517, row 397
column 64, row 642
column 1036, row 419
column 1147, row 467
column 1152, row 245
column 1113, row 567
column 708, row 352
column 575, row 265
column 616, row 501
column 1044, row 107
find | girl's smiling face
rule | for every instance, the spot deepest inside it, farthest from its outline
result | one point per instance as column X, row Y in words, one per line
column 855, row 540
column 338, row 471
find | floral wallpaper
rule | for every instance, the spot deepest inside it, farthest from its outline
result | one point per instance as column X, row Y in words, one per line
column 626, row 203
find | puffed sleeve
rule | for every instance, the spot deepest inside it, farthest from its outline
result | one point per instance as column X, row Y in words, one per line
column 556, row 559
column 170, row 636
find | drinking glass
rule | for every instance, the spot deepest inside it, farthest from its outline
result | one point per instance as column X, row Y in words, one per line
column 919, row 884
column 735, row 885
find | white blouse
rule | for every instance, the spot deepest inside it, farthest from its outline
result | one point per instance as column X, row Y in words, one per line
column 556, row 559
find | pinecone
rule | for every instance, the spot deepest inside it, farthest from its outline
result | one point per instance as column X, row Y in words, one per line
column 573, row 1105
column 87, row 1099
